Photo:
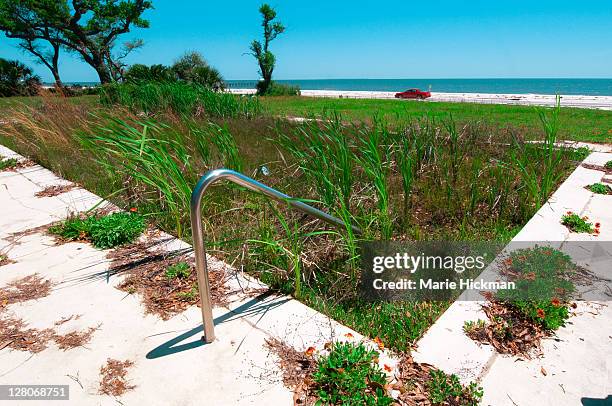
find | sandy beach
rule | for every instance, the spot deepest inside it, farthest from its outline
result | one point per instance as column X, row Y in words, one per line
column 579, row 101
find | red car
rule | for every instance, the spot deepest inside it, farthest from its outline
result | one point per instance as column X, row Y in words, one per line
column 413, row 94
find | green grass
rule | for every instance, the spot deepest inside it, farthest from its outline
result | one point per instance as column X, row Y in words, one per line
column 574, row 124
column 103, row 231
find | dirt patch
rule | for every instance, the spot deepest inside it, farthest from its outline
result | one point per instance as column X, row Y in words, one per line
column 297, row 369
column 508, row 331
column 31, row 287
column 114, row 377
column 75, row 338
column 55, row 190
column 163, row 295
column 598, row 168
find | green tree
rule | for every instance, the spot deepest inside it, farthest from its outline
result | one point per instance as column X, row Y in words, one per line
column 192, row 67
column 16, row 79
column 88, row 28
column 266, row 59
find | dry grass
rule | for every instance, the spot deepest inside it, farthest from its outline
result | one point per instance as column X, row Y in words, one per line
column 509, row 331
column 75, row 338
column 31, row 287
column 15, row 334
column 163, row 296
column 297, row 369
column 114, row 380
column 55, row 190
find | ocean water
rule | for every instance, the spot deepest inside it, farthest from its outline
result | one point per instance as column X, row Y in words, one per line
column 594, row 87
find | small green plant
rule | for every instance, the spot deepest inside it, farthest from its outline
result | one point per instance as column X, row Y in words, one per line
column 576, row 223
column 600, row 189
column 180, row 270
column 189, row 295
column 445, row 388
column 103, row 231
column 7, row 163
column 608, row 165
column 350, row 376
column 472, row 326
column 543, row 285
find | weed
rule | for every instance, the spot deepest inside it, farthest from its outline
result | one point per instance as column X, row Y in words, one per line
column 445, row 388
column 350, row 375
column 179, row 270
column 103, row 231
column 577, row 224
column 543, row 285
column 608, row 165
column 600, row 189
column 8, row 163
column 473, row 326
column 189, row 295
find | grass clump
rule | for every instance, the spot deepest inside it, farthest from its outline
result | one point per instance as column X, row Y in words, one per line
column 608, row 165
column 576, row 223
column 350, row 375
column 103, row 232
column 180, row 270
column 446, row 389
column 7, row 163
column 182, row 99
column 600, row 189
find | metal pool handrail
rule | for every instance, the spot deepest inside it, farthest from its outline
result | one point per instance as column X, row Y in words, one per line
column 198, row 233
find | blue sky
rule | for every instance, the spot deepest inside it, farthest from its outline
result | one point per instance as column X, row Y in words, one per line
column 384, row 39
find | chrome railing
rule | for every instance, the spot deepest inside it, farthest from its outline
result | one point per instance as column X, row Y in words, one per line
column 198, row 233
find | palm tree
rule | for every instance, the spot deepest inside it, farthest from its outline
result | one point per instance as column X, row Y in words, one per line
column 16, row 79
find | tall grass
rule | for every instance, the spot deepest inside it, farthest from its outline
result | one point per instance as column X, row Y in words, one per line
column 150, row 154
column 538, row 164
column 183, row 99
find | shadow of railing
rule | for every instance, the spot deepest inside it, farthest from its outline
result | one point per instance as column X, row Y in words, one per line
column 253, row 307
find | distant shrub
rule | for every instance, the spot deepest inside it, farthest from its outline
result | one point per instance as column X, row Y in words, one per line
column 181, row 98
column 192, row 68
column 154, row 73
column 278, row 89
column 16, row 79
